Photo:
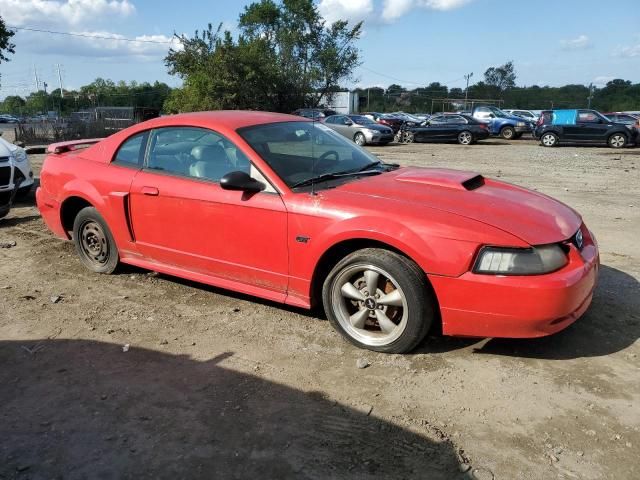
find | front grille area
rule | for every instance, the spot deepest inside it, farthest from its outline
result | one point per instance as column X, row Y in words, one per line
column 5, row 176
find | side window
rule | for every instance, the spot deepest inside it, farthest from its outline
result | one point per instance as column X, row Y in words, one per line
column 131, row 152
column 196, row 153
column 330, row 120
column 455, row 120
column 585, row 116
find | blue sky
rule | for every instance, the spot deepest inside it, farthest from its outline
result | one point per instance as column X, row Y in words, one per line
column 411, row 42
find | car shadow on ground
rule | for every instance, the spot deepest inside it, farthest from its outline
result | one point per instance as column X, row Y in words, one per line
column 86, row 409
column 11, row 221
column 611, row 324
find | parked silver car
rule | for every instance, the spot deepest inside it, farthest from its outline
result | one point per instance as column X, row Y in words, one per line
column 360, row 129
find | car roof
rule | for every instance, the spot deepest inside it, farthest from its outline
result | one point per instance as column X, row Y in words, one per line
column 230, row 119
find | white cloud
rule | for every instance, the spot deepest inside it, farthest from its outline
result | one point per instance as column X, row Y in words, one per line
column 581, row 42
column 70, row 12
column 351, row 10
column 93, row 44
column 602, row 80
column 629, row 51
column 357, row 10
column 394, row 9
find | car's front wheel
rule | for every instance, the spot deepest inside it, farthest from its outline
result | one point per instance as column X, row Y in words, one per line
column 465, row 138
column 360, row 139
column 94, row 243
column 549, row 139
column 378, row 300
column 617, row 140
column 508, row 133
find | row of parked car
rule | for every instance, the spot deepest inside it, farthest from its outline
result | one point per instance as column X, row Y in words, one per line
column 551, row 127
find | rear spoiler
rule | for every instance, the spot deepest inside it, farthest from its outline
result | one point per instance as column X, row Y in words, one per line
column 63, row 147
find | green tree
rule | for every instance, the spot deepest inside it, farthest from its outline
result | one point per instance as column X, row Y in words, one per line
column 6, row 47
column 500, row 78
column 284, row 57
column 13, row 104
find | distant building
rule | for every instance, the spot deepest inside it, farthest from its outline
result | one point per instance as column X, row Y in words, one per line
column 345, row 103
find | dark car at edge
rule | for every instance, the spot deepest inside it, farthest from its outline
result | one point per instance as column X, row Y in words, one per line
column 582, row 126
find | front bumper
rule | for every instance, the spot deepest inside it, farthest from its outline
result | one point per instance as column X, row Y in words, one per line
column 519, row 306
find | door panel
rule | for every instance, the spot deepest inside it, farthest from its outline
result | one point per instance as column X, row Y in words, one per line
column 201, row 227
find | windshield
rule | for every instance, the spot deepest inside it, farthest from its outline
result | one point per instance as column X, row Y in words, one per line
column 299, row 151
column 498, row 113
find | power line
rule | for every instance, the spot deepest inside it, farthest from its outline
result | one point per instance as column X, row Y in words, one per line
column 85, row 35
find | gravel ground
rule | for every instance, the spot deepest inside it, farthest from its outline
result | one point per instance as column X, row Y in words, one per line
column 144, row 375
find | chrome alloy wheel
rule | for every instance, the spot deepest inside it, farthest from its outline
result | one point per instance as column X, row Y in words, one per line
column 465, row 138
column 369, row 304
column 617, row 141
column 93, row 242
column 548, row 140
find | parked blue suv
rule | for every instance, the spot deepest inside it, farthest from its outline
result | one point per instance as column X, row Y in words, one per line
column 509, row 127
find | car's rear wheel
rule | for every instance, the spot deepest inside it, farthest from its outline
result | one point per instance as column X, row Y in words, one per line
column 508, row 133
column 549, row 139
column 465, row 138
column 378, row 300
column 94, row 243
column 360, row 139
column 617, row 140
column 408, row 137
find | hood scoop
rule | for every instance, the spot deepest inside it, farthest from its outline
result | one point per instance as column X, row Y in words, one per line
column 442, row 177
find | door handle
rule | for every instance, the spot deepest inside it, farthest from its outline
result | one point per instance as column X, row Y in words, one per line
column 152, row 191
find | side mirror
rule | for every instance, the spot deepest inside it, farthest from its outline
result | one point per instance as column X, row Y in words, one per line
column 491, row 115
column 348, row 123
column 241, row 181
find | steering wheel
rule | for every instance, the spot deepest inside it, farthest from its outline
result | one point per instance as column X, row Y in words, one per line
column 327, row 154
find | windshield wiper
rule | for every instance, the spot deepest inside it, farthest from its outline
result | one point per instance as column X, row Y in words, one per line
column 330, row 176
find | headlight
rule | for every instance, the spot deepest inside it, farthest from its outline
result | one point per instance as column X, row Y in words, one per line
column 373, row 132
column 521, row 124
column 20, row 154
column 520, row 261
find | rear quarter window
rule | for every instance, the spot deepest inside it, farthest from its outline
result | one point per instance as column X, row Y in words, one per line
column 131, row 152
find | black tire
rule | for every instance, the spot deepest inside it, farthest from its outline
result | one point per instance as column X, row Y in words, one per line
column 94, row 243
column 508, row 133
column 549, row 139
column 360, row 139
column 517, row 136
column 397, row 273
column 617, row 140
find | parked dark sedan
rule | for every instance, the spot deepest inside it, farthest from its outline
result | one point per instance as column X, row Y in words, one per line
column 582, row 127
column 449, row 127
column 386, row 119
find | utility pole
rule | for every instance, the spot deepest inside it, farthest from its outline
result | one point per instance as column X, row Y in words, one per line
column 590, row 97
column 466, row 90
column 35, row 73
column 60, row 79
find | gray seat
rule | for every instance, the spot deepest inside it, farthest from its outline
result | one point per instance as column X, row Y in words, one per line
column 210, row 162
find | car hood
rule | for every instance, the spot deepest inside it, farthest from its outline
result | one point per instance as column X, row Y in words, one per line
column 531, row 216
column 6, row 148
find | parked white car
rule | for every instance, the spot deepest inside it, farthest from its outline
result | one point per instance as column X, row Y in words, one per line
column 16, row 176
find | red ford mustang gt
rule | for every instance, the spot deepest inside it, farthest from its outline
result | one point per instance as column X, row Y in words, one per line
column 285, row 209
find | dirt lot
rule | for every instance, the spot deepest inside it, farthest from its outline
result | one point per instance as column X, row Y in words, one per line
column 218, row 385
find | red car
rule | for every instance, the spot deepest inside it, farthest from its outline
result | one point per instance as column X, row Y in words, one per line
column 284, row 208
